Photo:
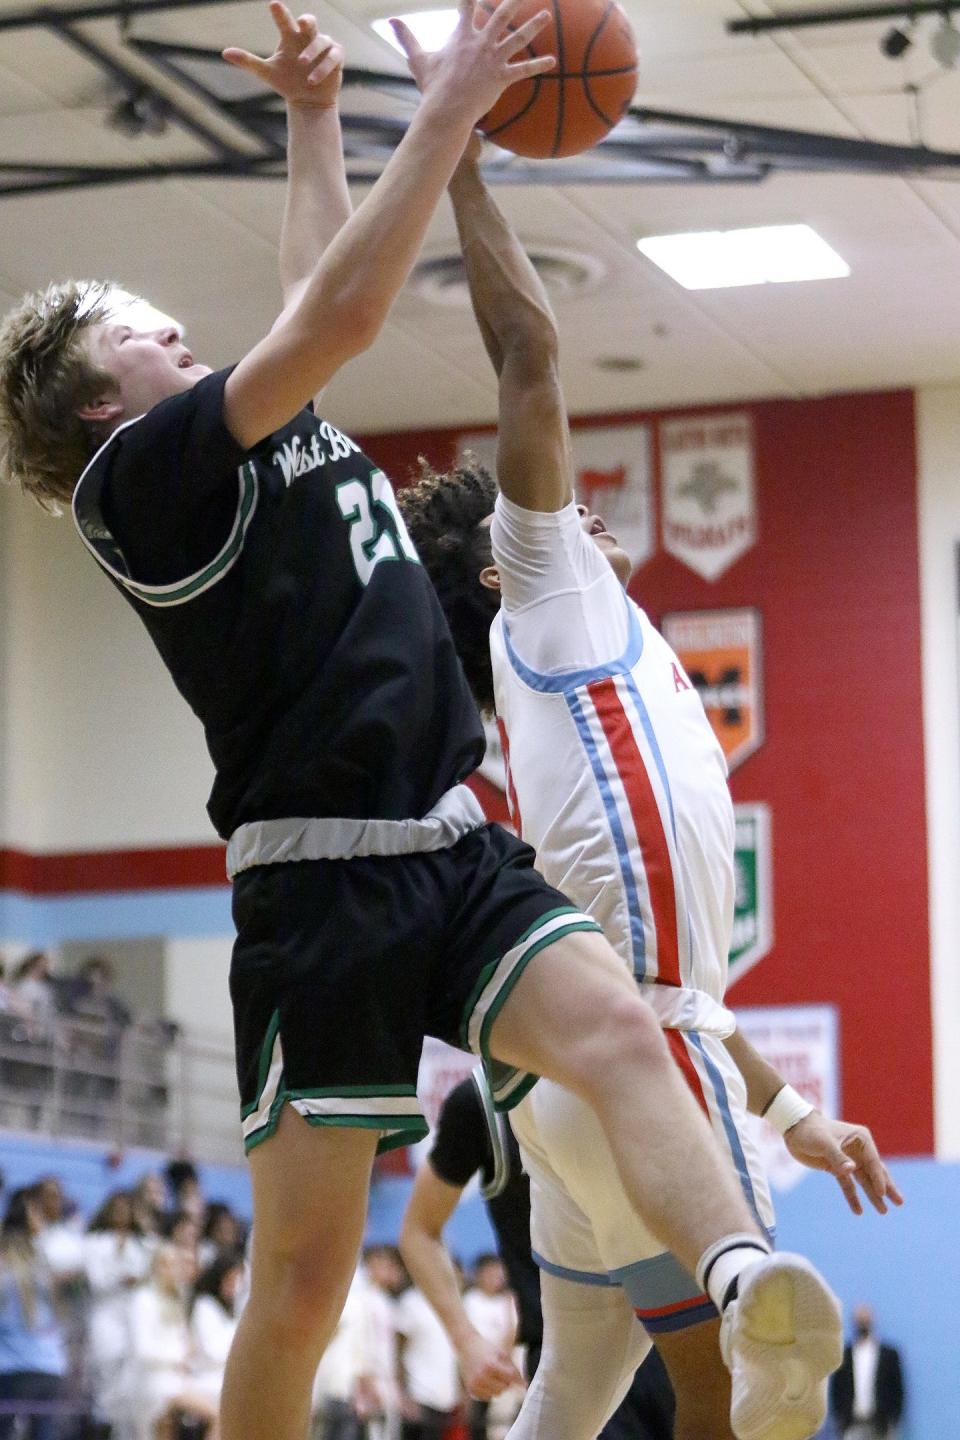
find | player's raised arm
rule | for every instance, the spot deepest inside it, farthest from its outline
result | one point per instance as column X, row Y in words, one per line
column 306, row 69
column 349, row 294
column 534, row 463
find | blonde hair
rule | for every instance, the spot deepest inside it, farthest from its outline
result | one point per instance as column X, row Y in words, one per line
column 46, row 375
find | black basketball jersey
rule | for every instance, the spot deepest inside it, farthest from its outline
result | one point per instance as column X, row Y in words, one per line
column 284, row 594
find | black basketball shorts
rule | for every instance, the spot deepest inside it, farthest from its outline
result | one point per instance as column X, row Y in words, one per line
column 341, row 967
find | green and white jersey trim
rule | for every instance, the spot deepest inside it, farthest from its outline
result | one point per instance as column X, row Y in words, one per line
column 89, row 521
column 393, row 1110
column 508, row 1086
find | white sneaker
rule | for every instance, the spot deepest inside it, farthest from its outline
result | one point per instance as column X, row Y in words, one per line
column 780, row 1339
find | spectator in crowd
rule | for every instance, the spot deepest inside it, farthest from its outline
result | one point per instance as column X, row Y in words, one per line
column 149, row 1197
column 866, row 1393
column 101, row 1018
column 213, row 1320
column 222, row 1233
column 184, row 1185
column 386, row 1278
column 183, row 1232
column 160, row 1385
column 116, row 1260
column 345, row 1394
column 491, row 1310
column 34, row 993
column 33, row 1351
column 61, row 1238
column 89, row 995
column 427, row 1370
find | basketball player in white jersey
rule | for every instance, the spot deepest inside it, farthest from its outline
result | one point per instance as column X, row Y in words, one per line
column 615, row 777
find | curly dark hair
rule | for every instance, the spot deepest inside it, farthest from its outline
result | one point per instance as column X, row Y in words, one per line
column 443, row 514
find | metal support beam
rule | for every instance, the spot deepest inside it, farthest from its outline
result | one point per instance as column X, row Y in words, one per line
column 44, row 15
column 842, row 15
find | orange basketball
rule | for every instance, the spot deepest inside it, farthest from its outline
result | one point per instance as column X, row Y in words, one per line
column 572, row 107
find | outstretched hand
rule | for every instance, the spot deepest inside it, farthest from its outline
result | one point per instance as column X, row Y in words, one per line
column 480, row 60
column 306, row 68
column 847, row 1152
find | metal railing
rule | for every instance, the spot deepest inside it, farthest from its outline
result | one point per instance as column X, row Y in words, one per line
column 143, row 1084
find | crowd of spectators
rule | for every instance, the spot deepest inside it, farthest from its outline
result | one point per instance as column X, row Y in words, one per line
column 77, row 1027
column 390, row 1372
column 119, row 1328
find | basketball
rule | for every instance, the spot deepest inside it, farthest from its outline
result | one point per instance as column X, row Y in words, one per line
column 571, row 108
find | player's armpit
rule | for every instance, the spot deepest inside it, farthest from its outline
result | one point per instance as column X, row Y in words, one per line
column 534, row 458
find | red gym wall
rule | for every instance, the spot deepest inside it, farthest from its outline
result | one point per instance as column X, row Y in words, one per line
column 835, row 576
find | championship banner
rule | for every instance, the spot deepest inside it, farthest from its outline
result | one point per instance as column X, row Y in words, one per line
column 801, row 1043
column 752, row 935
column 722, row 652
column 613, row 479
column 709, row 491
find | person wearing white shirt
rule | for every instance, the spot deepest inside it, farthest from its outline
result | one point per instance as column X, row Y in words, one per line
column 492, row 1312
column 428, row 1373
column 160, row 1380
column 386, row 1277
column 343, row 1391
column 116, row 1258
column 213, row 1322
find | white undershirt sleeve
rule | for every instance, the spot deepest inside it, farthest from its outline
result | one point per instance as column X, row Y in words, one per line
column 563, row 605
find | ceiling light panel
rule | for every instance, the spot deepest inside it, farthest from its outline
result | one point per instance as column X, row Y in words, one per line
column 432, row 28
column 762, row 255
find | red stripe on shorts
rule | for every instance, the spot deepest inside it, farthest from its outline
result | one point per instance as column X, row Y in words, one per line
column 687, row 1068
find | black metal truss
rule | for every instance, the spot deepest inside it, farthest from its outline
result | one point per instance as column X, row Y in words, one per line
column 198, row 93
column 839, row 15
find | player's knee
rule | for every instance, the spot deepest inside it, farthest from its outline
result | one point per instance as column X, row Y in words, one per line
column 302, row 1291
column 623, row 1039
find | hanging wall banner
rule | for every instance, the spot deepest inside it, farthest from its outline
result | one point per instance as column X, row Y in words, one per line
column 709, row 491
column 753, row 906
column 613, row 479
column 801, row 1043
column 722, row 652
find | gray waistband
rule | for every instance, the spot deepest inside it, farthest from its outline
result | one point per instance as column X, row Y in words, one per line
column 273, row 842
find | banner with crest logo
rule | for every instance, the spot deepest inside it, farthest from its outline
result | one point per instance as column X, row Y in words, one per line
column 722, row 652
column 708, row 491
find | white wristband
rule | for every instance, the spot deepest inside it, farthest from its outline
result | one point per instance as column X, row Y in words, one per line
column 786, row 1109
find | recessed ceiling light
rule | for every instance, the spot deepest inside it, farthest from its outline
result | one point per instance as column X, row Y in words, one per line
column 763, row 255
column 432, row 28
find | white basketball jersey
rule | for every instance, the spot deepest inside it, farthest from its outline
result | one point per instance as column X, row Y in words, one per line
column 614, row 774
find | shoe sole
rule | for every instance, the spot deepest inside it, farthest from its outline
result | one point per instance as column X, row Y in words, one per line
column 787, row 1303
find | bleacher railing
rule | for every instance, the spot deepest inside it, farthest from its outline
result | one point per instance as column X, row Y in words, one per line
column 143, row 1084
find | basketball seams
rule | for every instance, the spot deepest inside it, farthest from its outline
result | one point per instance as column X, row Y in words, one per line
column 536, row 80
column 587, row 77
column 561, row 58
column 587, row 110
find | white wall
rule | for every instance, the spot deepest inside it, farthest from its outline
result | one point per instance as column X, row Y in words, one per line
column 101, row 751
column 938, row 427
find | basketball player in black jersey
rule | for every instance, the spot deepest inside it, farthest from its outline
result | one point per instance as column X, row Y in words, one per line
column 266, row 557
